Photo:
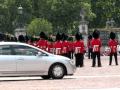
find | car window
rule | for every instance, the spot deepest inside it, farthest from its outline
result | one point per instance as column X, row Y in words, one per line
column 24, row 50
column 5, row 50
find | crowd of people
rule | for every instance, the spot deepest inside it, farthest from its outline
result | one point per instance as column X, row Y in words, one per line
column 65, row 46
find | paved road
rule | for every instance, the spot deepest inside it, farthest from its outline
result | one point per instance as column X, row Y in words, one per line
column 86, row 78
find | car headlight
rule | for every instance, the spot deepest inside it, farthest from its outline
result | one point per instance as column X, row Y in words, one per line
column 72, row 62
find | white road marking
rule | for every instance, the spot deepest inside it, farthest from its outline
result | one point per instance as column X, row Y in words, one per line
column 93, row 76
column 74, row 77
column 101, row 89
column 18, row 78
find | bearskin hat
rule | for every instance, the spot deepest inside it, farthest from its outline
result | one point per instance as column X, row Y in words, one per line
column 112, row 35
column 70, row 38
column 26, row 38
column 32, row 39
column 96, row 34
column 78, row 36
column 21, row 38
column 64, row 37
column 1, row 36
column 58, row 37
column 42, row 35
column 15, row 39
column 90, row 37
column 50, row 39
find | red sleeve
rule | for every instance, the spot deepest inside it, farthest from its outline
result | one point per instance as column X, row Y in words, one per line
column 83, row 46
column 37, row 43
column 54, row 45
column 100, row 43
column 47, row 43
column 88, row 44
column 92, row 43
column 117, row 42
column 61, row 44
column 109, row 43
column 73, row 45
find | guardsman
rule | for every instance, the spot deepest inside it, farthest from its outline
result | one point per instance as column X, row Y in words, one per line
column 89, row 47
column 79, row 50
column 30, row 41
column 96, row 45
column 2, row 37
column 112, row 43
column 65, row 45
column 27, row 38
column 50, row 45
column 71, row 47
column 35, row 40
column 42, row 43
column 58, row 45
column 21, row 38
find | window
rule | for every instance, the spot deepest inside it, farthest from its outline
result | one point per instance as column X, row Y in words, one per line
column 24, row 50
column 5, row 50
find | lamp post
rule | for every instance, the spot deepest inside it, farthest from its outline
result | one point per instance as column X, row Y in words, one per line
column 20, row 9
column 20, row 18
column 20, row 30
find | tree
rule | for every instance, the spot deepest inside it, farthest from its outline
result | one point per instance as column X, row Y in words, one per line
column 3, row 17
column 9, row 10
column 37, row 25
column 105, row 9
column 61, row 13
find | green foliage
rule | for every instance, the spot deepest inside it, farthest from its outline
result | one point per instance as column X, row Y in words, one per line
column 37, row 25
column 66, row 12
column 63, row 14
column 105, row 9
column 9, row 14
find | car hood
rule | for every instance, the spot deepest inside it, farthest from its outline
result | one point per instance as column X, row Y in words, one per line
column 60, row 57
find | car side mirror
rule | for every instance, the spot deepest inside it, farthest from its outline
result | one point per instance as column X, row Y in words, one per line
column 39, row 54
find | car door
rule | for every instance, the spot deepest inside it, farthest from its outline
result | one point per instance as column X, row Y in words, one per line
column 7, row 60
column 27, row 60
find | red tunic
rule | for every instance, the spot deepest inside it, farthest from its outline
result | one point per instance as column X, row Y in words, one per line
column 50, row 47
column 113, row 45
column 58, row 47
column 89, row 44
column 42, row 44
column 71, row 46
column 30, row 43
column 96, row 44
column 65, row 46
column 79, row 47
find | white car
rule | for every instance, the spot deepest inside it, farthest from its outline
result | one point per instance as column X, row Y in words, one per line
column 20, row 59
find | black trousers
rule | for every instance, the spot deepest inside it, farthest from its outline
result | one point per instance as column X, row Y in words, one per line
column 115, row 56
column 96, row 54
column 70, row 54
column 79, row 60
column 65, row 54
column 90, row 53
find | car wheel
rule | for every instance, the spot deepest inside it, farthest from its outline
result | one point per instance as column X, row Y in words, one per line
column 46, row 77
column 57, row 71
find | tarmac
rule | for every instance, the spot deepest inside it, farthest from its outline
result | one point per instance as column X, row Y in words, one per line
column 85, row 78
